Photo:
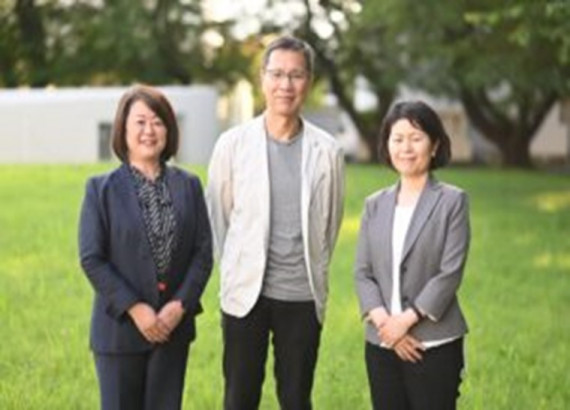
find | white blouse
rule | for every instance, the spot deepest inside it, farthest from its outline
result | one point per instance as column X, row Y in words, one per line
column 402, row 218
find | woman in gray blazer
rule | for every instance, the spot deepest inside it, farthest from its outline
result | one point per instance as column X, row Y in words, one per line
column 412, row 248
column 145, row 246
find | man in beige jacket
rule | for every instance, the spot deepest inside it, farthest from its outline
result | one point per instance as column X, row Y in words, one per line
column 275, row 197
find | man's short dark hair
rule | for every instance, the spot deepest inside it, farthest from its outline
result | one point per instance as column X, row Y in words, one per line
column 290, row 43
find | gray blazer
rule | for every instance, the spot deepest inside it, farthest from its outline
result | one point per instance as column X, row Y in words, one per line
column 433, row 258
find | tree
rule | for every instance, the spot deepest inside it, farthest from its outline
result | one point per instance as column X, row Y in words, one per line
column 358, row 49
column 349, row 48
column 156, row 42
column 112, row 42
column 506, row 61
column 8, row 37
column 23, row 44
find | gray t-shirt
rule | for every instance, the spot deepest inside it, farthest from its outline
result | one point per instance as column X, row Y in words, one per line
column 285, row 274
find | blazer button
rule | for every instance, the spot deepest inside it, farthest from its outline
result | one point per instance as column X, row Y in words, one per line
column 404, row 269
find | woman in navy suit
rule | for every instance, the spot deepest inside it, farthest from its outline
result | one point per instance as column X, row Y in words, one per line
column 145, row 246
column 413, row 244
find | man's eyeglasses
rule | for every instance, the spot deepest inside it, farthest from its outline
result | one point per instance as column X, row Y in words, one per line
column 296, row 76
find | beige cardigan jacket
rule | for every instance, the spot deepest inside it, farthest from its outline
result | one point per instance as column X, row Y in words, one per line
column 238, row 202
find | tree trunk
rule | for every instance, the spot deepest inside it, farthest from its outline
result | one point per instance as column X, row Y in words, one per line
column 8, row 75
column 367, row 124
column 168, row 50
column 32, row 36
column 371, row 141
column 511, row 135
column 515, row 151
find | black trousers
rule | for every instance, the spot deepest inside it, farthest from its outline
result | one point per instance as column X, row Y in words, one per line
column 295, row 336
column 152, row 380
column 431, row 384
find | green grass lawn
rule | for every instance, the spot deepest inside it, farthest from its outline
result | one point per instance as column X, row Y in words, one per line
column 516, row 295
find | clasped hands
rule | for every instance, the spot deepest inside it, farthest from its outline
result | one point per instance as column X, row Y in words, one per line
column 157, row 327
column 393, row 333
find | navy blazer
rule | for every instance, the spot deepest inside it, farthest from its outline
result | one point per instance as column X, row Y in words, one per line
column 116, row 256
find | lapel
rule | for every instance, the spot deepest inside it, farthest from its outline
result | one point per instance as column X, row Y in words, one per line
column 129, row 196
column 381, row 229
column 260, row 169
column 309, row 159
column 180, row 200
column 426, row 202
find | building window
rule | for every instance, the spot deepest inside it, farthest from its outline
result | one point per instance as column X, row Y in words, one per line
column 105, row 141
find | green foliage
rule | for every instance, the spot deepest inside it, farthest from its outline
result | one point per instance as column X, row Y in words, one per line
column 349, row 48
column 506, row 61
column 113, row 42
column 531, row 22
column 514, row 294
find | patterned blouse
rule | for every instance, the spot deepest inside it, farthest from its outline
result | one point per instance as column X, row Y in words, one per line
column 160, row 222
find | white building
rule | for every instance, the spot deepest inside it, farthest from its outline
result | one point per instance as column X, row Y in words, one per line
column 73, row 125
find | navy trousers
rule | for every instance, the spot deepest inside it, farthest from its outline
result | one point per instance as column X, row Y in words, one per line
column 431, row 384
column 295, row 336
column 151, row 380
